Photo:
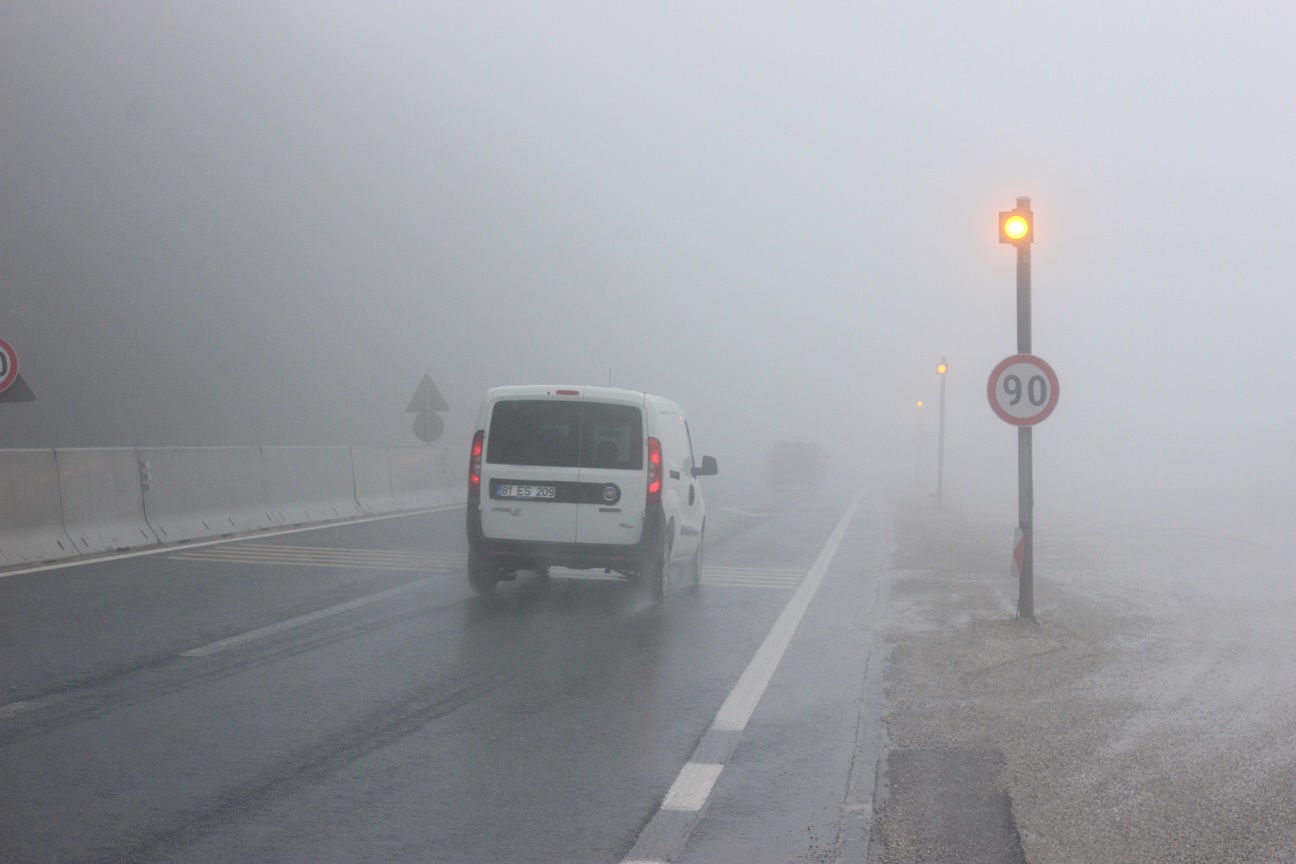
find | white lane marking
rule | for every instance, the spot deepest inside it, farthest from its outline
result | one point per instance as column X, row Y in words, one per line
column 343, row 550
column 272, row 629
column 738, row 583
column 330, row 553
column 752, row 577
column 737, row 708
column 324, row 556
column 600, row 576
column 15, row 708
column 344, row 565
column 242, row 538
column 769, row 571
column 237, row 557
column 692, row 787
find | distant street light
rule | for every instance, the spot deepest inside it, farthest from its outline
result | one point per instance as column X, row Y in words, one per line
column 941, row 369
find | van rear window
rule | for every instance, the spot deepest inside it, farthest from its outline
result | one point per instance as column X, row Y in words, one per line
column 565, row 434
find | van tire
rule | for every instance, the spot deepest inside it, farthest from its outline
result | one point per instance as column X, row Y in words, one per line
column 695, row 563
column 657, row 574
column 481, row 576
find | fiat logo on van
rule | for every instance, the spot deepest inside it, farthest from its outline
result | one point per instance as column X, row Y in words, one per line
column 611, row 494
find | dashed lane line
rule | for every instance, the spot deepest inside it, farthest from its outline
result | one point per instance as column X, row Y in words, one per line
column 272, row 629
column 15, row 708
column 692, row 787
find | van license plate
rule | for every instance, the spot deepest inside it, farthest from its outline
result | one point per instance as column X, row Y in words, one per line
column 513, row 490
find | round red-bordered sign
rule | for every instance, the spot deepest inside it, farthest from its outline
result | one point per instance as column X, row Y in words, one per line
column 1023, row 390
column 8, row 365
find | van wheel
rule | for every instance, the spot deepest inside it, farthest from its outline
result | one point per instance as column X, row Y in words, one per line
column 481, row 576
column 658, row 574
column 695, row 563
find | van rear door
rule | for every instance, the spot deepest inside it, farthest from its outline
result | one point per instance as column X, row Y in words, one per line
column 613, row 473
column 530, row 474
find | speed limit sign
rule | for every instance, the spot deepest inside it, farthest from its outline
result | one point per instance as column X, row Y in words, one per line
column 1023, row 390
column 8, row 365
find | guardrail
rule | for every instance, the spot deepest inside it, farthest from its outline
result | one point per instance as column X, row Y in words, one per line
column 66, row 503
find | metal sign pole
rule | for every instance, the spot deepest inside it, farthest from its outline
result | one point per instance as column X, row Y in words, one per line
column 1025, row 472
column 940, row 447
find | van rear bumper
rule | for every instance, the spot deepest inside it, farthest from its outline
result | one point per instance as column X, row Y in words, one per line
column 510, row 555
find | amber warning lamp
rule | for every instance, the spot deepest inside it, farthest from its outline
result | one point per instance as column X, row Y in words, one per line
column 1016, row 227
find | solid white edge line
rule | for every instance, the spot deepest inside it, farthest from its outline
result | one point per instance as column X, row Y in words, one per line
column 692, row 787
column 695, row 781
column 182, row 547
column 271, row 629
column 738, row 707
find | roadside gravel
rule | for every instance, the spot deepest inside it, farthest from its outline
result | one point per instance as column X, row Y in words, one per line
column 1150, row 715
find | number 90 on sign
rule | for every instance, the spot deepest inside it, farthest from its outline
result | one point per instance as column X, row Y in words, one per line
column 1023, row 390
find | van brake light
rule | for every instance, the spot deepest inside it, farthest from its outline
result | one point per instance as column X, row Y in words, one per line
column 475, row 464
column 654, row 471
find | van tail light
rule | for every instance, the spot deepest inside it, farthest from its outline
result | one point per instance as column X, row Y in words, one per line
column 474, row 465
column 654, row 471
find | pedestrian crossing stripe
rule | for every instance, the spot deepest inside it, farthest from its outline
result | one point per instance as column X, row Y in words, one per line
column 325, row 556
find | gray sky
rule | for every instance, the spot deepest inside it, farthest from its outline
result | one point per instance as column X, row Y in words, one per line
column 263, row 222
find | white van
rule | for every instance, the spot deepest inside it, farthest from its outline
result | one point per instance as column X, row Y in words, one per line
column 583, row 477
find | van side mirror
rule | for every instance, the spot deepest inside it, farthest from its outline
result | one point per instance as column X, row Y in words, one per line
column 708, row 467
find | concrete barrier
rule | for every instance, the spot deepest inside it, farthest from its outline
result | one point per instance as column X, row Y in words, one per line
column 103, row 504
column 373, row 483
column 57, row 504
column 415, row 474
column 31, row 510
column 204, row 491
column 308, row 484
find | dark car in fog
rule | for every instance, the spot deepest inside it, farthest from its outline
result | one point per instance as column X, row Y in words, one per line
column 796, row 463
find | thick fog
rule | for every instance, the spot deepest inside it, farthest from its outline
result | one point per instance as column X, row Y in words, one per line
column 264, row 222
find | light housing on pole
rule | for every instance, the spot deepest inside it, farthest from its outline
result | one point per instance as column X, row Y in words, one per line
column 1017, row 227
column 941, row 368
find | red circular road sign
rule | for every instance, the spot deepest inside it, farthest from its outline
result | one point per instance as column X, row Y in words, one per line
column 1023, row 390
column 8, row 365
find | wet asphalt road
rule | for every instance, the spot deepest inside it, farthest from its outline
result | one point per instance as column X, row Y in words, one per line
column 340, row 695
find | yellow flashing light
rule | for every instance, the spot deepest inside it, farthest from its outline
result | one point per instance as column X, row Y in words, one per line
column 1016, row 227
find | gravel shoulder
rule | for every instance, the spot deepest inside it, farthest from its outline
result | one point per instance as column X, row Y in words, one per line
column 1150, row 715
